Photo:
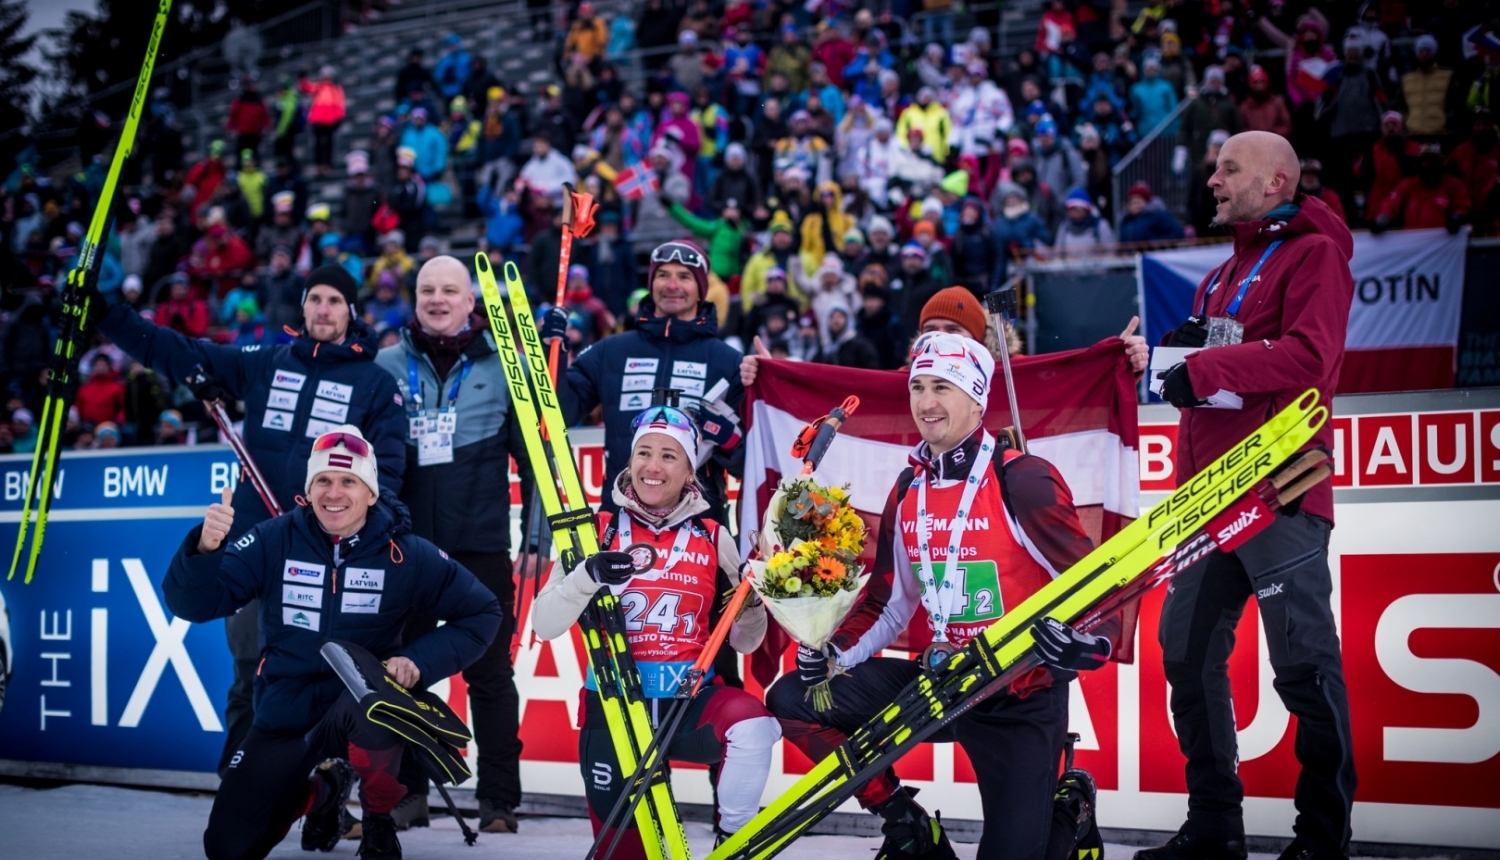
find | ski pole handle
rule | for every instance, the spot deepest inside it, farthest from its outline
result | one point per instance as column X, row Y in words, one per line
column 822, row 431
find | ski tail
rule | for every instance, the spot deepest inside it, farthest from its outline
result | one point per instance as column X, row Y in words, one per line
column 76, row 313
column 1120, row 570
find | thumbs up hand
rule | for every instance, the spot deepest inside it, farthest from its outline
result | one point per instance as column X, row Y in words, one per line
column 750, row 364
column 216, row 523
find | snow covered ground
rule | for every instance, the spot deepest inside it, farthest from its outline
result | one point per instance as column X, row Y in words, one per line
column 93, row 821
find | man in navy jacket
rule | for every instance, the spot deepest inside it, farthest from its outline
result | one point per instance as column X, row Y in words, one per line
column 344, row 566
column 292, row 393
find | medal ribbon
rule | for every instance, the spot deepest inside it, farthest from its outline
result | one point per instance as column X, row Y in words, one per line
column 939, row 600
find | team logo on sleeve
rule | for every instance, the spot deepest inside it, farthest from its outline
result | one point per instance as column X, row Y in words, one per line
column 303, row 572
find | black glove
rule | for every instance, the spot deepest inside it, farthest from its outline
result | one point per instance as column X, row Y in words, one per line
column 1062, row 647
column 718, row 424
column 812, row 666
column 610, row 568
column 1454, row 222
column 1177, row 388
column 1192, row 333
column 1381, row 225
column 205, row 387
column 554, row 325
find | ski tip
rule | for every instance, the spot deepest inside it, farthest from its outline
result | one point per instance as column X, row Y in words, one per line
column 481, row 262
column 512, row 273
column 1308, row 400
column 1316, row 418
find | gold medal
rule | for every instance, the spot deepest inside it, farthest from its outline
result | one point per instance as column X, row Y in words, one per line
column 642, row 555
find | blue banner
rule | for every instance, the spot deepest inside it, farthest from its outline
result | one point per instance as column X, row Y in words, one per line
column 100, row 671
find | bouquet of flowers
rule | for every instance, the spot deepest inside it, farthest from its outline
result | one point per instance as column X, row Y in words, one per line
column 808, row 572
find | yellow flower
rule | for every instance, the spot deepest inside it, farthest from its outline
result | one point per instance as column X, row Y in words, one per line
column 780, row 561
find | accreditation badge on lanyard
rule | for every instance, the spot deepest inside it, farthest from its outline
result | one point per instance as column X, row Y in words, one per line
column 434, row 433
column 1226, row 330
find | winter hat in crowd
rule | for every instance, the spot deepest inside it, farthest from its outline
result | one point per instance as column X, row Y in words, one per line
column 333, row 276
column 926, row 228
column 880, row 224
column 1017, row 147
column 132, row 285
column 169, row 416
column 1141, row 190
column 733, row 151
column 1010, row 189
column 961, row 360
column 357, row 162
column 579, row 272
column 1426, row 43
column 23, row 416
column 685, row 253
column 319, row 212
column 883, row 125
column 776, row 273
column 343, row 449
column 912, row 249
column 282, row 201
column 957, row 304
column 853, row 235
column 1218, row 137
column 406, row 157
column 955, row 183
column 1213, row 75
column 782, row 222
column 394, row 237
column 1354, row 39
column 1046, row 125
column 1078, row 197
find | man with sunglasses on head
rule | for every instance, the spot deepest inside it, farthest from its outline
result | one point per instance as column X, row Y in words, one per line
column 292, row 394
column 1009, row 517
column 343, row 566
column 675, row 344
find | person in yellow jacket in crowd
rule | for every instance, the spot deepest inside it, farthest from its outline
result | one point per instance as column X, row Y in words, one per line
column 393, row 256
column 929, row 115
column 824, row 226
column 252, row 182
column 588, row 34
column 779, row 253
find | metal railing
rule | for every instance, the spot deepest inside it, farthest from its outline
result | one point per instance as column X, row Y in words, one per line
column 1150, row 161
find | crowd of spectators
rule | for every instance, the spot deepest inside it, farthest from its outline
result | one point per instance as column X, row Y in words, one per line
column 840, row 164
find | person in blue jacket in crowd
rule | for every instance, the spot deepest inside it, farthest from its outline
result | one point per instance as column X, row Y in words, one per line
column 343, row 566
column 675, row 344
column 293, row 393
column 1146, row 219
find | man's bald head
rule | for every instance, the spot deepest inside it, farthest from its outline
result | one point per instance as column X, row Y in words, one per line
column 445, row 298
column 1257, row 171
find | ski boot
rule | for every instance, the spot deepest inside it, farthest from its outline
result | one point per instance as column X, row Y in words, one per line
column 1073, row 808
column 1190, row 846
column 1303, row 850
column 322, row 825
column 909, row 831
column 379, row 841
column 351, row 827
column 411, row 812
column 496, row 817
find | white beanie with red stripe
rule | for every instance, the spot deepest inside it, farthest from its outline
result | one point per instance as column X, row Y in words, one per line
column 343, row 449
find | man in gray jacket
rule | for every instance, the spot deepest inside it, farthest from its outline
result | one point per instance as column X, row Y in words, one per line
column 461, row 436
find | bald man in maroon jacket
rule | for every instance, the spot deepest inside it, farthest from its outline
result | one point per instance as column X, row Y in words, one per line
column 1274, row 317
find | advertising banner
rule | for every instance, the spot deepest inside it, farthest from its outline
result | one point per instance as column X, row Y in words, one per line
column 102, row 675
column 1403, row 322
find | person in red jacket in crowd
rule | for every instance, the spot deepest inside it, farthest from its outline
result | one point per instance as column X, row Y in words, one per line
column 205, row 176
column 1432, row 198
column 1477, row 160
column 1263, row 110
column 833, row 51
column 1392, row 160
column 219, row 259
column 102, row 397
column 1277, row 313
column 1312, row 185
column 183, row 312
column 248, row 118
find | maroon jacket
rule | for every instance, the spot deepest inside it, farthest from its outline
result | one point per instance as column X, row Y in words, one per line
column 1295, row 316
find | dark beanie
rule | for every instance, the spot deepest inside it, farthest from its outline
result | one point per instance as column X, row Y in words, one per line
column 333, row 276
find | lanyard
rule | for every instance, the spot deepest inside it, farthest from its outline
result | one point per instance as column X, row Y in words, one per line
column 466, row 365
column 679, row 546
column 939, row 600
column 1234, row 305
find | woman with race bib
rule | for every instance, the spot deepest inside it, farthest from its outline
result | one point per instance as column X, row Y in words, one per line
column 670, row 610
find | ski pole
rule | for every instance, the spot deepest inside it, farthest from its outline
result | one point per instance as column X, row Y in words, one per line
column 810, row 446
column 1002, row 305
column 523, row 606
column 204, row 388
column 62, row 384
column 578, row 220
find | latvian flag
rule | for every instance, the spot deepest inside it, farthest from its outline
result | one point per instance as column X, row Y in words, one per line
column 636, row 181
column 340, row 461
column 1078, row 411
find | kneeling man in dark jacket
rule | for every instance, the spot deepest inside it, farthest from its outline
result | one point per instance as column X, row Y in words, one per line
column 343, row 566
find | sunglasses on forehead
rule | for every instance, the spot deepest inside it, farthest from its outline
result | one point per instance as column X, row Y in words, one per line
column 353, row 444
column 675, row 252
